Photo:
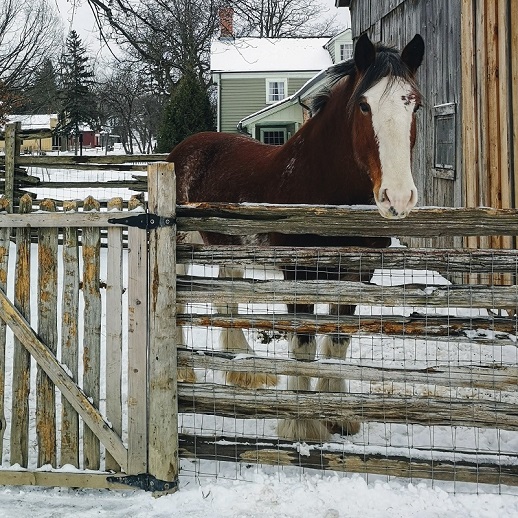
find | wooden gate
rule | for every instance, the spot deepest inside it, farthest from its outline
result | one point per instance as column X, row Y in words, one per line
column 115, row 416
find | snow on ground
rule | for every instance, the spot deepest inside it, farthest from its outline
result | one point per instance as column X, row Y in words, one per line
column 262, row 495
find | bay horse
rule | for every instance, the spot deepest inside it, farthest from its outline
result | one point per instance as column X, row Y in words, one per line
column 355, row 149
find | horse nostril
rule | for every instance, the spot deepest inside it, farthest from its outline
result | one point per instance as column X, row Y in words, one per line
column 383, row 196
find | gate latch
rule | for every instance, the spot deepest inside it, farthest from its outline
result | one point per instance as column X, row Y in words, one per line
column 145, row 221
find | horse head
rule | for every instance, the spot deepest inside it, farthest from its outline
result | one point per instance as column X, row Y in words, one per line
column 383, row 106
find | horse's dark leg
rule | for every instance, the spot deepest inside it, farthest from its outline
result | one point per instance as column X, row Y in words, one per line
column 303, row 348
column 335, row 346
column 234, row 341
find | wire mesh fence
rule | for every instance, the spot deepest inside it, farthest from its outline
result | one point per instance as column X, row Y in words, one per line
column 396, row 362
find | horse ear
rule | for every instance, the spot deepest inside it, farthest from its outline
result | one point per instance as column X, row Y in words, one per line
column 413, row 53
column 364, row 53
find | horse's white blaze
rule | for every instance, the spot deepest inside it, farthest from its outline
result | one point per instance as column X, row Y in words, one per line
column 392, row 107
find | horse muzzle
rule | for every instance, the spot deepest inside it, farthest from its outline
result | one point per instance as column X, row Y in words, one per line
column 396, row 203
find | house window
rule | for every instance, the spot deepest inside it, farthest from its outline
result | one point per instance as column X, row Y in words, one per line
column 445, row 141
column 275, row 90
column 275, row 136
column 346, row 51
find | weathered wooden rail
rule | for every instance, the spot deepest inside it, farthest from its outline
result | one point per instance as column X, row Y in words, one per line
column 16, row 180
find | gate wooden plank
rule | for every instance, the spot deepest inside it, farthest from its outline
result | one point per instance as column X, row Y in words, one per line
column 163, row 401
column 5, row 206
column 48, row 332
column 73, row 479
column 48, row 362
column 92, row 330
column 21, row 357
column 137, row 348
column 114, row 329
column 70, row 340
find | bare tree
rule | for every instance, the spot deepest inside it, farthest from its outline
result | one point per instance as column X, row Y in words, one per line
column 131, row 106
column 30, row 32
column 282, row 18
column 172, row 36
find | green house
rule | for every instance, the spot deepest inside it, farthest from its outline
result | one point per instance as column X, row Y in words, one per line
column 262, row 83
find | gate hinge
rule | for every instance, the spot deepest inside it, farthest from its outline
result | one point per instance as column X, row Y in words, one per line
column 145, row 221
column 145, row 481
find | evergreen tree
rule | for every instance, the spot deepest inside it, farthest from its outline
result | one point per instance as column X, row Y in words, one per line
column 43, row 95
column 188, row 111
column 77, row 98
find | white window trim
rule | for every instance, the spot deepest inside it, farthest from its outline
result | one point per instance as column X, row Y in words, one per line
column 275, row 80
column 339, row 51
column 267, row 129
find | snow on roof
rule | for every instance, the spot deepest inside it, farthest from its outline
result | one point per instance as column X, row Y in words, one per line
column 269, row 55
column 33, row 121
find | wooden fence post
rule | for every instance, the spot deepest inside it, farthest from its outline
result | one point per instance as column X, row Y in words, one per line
column 12, row 149
column 21, row 357
column 162, row 377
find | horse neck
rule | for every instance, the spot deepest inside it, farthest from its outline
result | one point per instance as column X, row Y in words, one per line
column 323, row 148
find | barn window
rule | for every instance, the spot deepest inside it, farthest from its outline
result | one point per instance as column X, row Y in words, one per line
column 445, row 141
column 275, row 90
column 276, row 136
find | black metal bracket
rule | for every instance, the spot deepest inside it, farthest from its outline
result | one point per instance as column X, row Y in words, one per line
column 145, row 221
column 145, row 481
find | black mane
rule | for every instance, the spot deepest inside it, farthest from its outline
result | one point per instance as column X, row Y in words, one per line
column 387, row 63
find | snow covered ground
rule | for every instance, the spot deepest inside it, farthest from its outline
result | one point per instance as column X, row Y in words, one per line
column 219, row 489
column 262, row 495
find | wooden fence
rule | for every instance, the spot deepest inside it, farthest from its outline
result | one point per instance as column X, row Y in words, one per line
column 17, row 181
column 137, row 422
column 431, row 396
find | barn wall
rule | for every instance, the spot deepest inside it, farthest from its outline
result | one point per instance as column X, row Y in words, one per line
column 490, row 83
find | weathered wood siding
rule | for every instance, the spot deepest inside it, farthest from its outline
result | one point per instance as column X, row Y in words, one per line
column 489, row 105
column 471, row 61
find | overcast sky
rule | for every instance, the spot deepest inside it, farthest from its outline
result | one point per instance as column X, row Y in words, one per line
column 78, row 15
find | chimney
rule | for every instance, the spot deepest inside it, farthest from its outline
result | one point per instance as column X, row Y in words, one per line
column 226, row 17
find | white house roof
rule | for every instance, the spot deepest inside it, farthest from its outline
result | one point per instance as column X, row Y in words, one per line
column 33, row 122
column 269, row 55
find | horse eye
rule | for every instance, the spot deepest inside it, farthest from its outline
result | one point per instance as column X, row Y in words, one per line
column 365, row 108
column 416, row 107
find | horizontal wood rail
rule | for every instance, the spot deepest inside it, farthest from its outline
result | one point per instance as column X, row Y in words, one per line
column 267, row 403
column 244, row 291
column 490, row 377
column 247, row 219
column 452, row 260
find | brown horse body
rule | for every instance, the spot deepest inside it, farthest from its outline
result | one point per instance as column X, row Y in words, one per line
column 354, row 150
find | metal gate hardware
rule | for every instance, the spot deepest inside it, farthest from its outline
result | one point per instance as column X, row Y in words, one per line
column 144, row 481
column 145, row 221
